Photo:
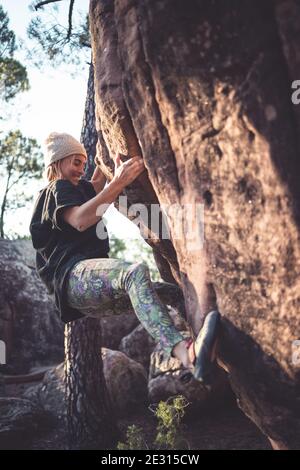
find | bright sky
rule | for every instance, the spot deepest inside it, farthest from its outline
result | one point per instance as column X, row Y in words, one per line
column 55, row 102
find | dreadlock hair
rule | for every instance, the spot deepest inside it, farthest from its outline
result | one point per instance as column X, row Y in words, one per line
column 52, row 172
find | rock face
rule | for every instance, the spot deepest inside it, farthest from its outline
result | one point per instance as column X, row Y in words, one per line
column 29, row 326
column 202, row 89
column 20, row 420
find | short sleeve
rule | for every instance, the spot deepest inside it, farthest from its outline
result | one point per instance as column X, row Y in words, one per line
column 88, row 188
column 66, row 195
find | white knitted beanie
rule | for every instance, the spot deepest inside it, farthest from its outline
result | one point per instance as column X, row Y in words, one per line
column 59, row 145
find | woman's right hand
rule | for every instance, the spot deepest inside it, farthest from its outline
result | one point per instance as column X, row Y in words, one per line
column 126, row 172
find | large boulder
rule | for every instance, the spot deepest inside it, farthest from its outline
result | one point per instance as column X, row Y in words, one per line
column 20, row 421
column 202, row 90
column 29, row 325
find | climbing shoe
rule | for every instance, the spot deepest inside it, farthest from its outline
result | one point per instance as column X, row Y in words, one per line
column 205, row 348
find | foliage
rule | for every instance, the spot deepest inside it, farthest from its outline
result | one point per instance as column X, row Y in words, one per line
column 134, row 439
column 60, row 44
column 169, row 429
column 19, row 156
column 13, row 75
column 117, row 248
column 169, row 415
column 134, row 250
column 20, row 162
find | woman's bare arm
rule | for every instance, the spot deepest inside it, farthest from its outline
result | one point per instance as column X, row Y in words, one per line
column 84, row 216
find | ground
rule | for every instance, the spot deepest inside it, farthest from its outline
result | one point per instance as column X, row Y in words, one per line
column 223, row 428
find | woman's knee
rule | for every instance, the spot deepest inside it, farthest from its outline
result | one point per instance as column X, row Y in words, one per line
column 140, row 266
column 135, row 274
column 139, row 270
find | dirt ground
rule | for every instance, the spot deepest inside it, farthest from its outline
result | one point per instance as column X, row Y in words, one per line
column 226, row 428
column 223, row 428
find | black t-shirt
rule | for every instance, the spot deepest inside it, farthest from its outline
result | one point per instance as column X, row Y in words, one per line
column 58, row 245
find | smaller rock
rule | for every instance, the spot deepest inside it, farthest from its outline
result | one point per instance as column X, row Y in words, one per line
column 165, row 374
column 126, row 381
column 114, row 328
column 50, row 394
column 20, row 420
column 138, row 345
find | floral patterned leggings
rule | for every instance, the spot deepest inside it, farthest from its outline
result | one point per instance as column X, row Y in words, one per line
column 95, row 285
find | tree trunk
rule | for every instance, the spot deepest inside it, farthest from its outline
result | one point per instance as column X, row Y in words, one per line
column 3, row 207
column 2, row 217
column 203, row 90
column 91, row 421
column 89, row 135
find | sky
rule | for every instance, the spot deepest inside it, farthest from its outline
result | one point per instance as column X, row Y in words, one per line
column 55, row 99
column 55, row 102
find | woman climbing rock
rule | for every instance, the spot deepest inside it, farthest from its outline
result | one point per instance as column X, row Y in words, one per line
column 72, row 248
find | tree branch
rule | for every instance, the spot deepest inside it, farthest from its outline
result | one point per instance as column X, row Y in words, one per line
column 70, row 18
column 86, row 44
column 45, row 2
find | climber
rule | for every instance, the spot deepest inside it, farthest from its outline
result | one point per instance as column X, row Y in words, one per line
column 73, row 263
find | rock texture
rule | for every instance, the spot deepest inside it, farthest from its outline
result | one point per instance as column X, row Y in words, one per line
column 202, row 89
column 138, row 345
column 126, row 381
column 50, row 394
column 20, row 421
column 29, row 325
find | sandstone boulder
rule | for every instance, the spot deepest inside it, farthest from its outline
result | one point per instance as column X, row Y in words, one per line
column 202, row 90
column 29, row 325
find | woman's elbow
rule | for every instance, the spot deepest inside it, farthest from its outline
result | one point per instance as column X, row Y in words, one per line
column 79, row 227
column 79, row 224
column 73, row 217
